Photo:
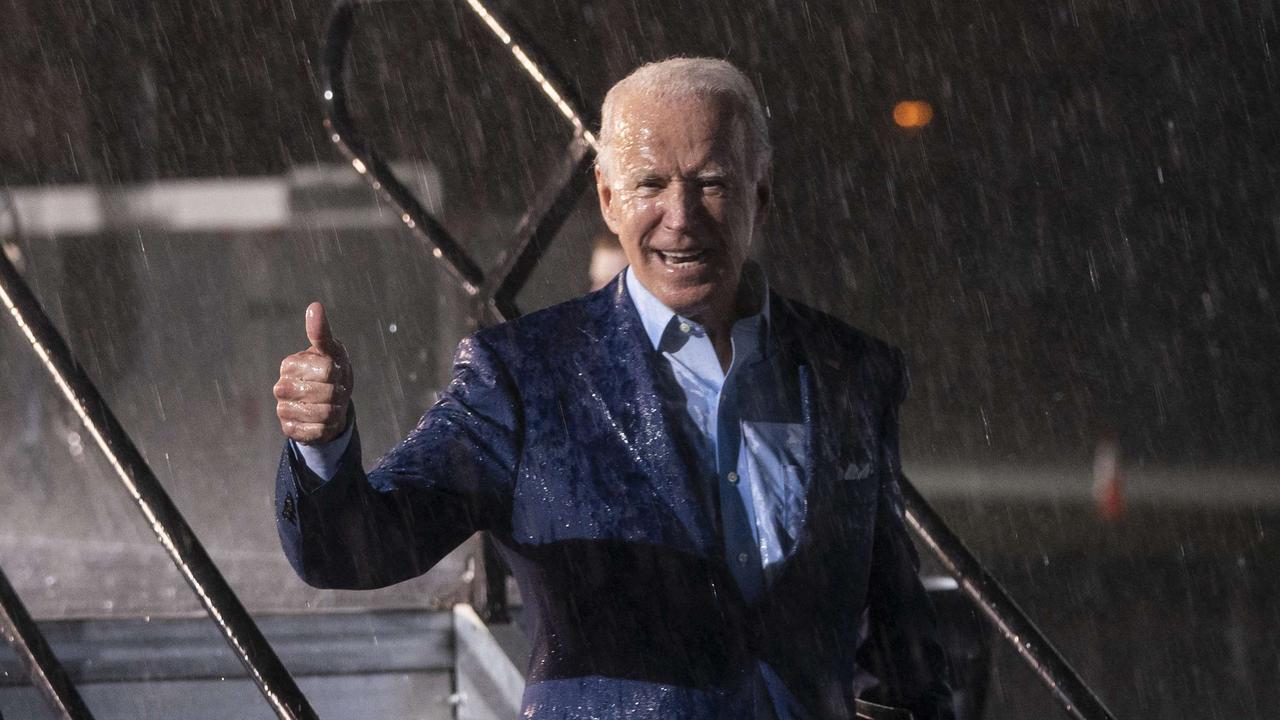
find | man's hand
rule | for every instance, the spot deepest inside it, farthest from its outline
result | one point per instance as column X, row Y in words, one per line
column 315, row 385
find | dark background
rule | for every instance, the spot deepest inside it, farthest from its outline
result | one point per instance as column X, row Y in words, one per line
column 1083, row 244
column 1084, row 241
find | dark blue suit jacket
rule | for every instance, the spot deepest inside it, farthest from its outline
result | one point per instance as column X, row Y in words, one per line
column 552, row 437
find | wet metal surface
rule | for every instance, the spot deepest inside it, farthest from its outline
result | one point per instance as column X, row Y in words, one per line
column 1011, row 621
column 1167, row 613
column 37, row 658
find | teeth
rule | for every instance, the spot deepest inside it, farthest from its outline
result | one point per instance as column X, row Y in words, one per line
column 683, row 256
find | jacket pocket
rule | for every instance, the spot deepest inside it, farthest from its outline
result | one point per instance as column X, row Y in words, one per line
column 796, row 504
column 858, row 480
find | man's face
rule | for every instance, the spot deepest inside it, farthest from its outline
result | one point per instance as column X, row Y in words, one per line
column 683, row 200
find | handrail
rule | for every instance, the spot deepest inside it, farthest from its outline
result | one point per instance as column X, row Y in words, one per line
column 220, row 602
column 42, row 666
column 1040, row 654
column 537, row 229
column 495, row 294
column 371, row 166
column 974, row 580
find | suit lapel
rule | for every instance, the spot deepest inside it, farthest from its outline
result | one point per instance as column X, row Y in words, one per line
column 621, row 375
column 817, row 454
column 824, row 379
column 837, row 412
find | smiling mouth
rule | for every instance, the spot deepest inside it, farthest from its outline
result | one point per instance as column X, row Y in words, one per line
column 681, row 258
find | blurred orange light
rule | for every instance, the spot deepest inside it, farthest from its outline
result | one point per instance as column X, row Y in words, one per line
column 912, row 113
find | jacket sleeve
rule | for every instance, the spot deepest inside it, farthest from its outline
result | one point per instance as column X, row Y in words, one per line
column 910, row 662
column 451, row 477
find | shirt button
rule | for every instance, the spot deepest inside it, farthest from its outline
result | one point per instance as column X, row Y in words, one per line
column 742, row 558
column 684, row 328
column 732, row 477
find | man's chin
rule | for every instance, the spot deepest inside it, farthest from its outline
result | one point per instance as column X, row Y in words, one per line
column 689, row 294
column 691, row 302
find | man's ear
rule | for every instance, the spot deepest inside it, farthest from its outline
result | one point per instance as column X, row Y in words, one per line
column 607, row 210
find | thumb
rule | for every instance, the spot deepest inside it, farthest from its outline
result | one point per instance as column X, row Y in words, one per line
column 318, row 332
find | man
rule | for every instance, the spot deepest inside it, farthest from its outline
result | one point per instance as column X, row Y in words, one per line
column 693, row 480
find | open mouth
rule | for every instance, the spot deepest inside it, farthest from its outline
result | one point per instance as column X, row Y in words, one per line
column 681, row 258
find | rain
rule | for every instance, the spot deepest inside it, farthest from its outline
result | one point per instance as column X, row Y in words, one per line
column 1066, row 214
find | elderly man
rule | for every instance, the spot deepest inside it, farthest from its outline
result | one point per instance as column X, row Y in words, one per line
column 694, row 480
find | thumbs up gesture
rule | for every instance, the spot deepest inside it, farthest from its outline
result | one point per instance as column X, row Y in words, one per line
column 315, row 385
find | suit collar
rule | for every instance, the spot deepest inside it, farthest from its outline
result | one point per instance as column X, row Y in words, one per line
column 660, row 321
column 647, row 425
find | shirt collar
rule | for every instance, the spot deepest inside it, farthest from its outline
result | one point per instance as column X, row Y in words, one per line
column 658, row 319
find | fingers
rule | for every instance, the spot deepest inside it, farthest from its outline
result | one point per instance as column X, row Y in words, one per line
column 300, row 412
column 310, row 411
column 312, row 366
column 309, row 433
column 315, row 385
column 318, row 331
column 310, row 423
column 289, row 388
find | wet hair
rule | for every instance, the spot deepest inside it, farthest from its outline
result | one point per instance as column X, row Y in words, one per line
column 682, row 77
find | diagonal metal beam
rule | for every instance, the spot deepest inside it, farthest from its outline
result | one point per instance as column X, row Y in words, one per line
column 537, row 229
column 370, row 165
column 990, row 596
column 172, row 530
column 42, row 666
column 495, row 294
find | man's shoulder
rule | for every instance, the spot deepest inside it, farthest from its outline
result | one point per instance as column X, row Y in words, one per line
column 841, row 348
column 824, row 333
column 553, row 331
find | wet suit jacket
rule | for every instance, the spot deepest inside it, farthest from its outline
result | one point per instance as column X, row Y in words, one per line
column 553, row 437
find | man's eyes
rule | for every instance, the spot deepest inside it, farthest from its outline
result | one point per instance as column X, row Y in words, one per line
column 711, row 186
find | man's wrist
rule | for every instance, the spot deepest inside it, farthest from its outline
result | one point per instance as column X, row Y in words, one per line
column 324, row 458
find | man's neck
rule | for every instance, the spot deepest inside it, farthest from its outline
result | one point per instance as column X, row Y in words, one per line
column 722, row 340
column 748, row 299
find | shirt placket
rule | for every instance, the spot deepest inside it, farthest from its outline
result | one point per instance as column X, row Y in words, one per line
column 735, row 491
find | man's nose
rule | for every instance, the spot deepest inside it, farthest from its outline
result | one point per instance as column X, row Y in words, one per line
column 682, row 203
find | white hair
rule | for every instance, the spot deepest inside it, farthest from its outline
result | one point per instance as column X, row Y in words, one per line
column 681, row 78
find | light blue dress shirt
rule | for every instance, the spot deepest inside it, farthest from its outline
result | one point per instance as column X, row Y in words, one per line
column 323, row 459
column 751, row 429
column 759, row 458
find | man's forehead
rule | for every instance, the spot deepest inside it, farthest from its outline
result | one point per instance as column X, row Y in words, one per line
column 645, row 126
column 643, row 111
column 642, row 160
column 644, row 164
